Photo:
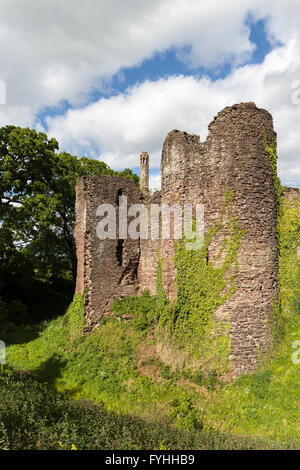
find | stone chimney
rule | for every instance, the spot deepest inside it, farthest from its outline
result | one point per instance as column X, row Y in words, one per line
column 144, row 173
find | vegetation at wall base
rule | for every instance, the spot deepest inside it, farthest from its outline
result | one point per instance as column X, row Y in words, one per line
column 34, row 417
column 203, row 284
column 37, row 218
column 126, row 385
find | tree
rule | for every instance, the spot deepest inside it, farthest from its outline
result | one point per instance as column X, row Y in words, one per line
column 37, row 211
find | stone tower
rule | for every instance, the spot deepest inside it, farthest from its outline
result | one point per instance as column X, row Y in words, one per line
column 144, row 173
column 232, row 159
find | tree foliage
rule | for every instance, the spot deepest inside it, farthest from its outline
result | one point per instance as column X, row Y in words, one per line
column 37, row 210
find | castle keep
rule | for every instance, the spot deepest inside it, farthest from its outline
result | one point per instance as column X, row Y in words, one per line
column 233, row 159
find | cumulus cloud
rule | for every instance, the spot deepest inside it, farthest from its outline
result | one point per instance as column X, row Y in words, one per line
column 54, row 50
column 155, row 182
column 119, row 128
column 62, row 50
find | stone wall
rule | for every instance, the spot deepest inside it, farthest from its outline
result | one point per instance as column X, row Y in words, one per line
column 149, row 250
column 291, row 194
column 107, row 268
column 231, row 158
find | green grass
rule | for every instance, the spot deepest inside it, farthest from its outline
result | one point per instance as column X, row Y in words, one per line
column 119, row 368
column 103, row 366
column 267, row 403
column 33, row 416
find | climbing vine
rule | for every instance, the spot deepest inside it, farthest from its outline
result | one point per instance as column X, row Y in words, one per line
column 287, row 308
column 162, row 299
column 288, row 239
column 272, row 153
column 203, row 284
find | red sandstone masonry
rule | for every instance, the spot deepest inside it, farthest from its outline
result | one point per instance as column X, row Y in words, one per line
column 233, row 158
column 99, row 267
column 149, row 251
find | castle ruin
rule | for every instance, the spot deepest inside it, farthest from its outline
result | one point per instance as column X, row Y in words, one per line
column 193, row 172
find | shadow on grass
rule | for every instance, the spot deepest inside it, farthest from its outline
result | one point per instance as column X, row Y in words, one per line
column 52, row 417
column 28, row 307
column 21, row 334
column 24, row 333
column 50, row 370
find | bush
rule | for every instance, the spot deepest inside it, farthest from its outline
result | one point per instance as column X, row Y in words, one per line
column 3, row 313
column 142, row 309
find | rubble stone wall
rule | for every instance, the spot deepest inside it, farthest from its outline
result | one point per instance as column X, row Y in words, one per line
column 232, row 158
column 107, row 268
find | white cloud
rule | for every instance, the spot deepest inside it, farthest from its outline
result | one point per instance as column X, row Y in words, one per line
column 54, row 50
column 119, row 128
column 60, row 50
column 18, row 115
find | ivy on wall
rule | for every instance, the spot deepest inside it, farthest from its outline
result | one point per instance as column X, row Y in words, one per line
column 271, row 150
column 203, row 284
column 288, row 238
column 287, row 308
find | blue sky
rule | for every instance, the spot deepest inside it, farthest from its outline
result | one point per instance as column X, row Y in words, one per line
column 111, row 79
column 166, row 64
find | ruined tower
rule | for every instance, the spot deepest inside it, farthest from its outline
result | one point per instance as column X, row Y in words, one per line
column 232, row 159
column 144, row 173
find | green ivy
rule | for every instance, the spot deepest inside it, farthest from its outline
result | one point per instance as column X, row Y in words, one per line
column 162, row 300
column 203, row 284
column 75, row 318
column 288, row 238
column 288, row 305
column 272, row 153
column 141, row 310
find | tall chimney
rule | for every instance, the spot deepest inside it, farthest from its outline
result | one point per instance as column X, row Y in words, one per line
column 144, row 173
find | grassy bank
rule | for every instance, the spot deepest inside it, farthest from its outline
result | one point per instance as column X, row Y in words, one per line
column 33, row 416
column 119, row 368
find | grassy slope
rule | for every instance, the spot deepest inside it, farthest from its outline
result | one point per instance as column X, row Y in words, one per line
column 267, row 403
column 33, row 416
column 117, row 366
